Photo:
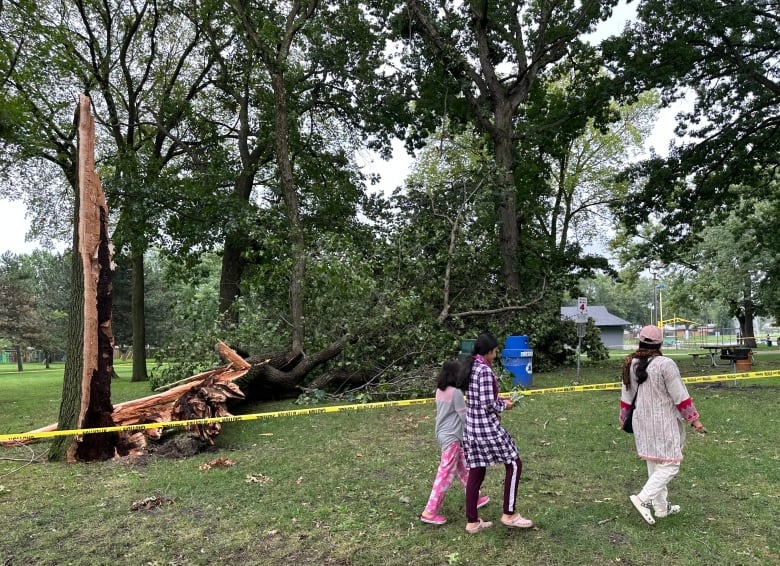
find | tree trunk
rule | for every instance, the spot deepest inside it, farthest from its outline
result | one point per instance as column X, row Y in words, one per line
column 230, row 279
column 86, row 399
column 745, row 317
column 19, row 365
column 507, row 213
column 139, row 321
column 99, row 410
column 71, row 383
column 298, row 245
column 233, row 262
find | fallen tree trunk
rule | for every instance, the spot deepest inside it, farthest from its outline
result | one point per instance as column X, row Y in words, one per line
column 206, row 394
column 283, row 373
column 201, row 396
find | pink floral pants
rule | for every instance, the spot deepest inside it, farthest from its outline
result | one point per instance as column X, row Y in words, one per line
column 453, row 462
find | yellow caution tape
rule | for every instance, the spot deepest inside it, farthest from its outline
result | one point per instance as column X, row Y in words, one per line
column 617, row 384
column 231, row 419
column 355, row 407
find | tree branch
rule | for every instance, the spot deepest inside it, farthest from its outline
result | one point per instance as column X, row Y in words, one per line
column 511, row 308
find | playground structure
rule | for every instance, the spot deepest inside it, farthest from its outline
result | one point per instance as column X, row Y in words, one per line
column 674, row 323
column 681, row 332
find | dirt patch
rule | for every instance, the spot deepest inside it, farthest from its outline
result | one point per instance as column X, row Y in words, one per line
column 178, row 446
column 617, row 538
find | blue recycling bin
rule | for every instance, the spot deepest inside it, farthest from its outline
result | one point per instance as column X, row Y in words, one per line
column 517, row 358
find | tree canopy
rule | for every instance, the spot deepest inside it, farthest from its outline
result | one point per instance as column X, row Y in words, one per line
column 230, row 137
column 723, row 54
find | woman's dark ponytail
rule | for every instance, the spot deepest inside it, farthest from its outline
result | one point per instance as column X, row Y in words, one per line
column 465, row 371
column 642, row 363
column 484, row 344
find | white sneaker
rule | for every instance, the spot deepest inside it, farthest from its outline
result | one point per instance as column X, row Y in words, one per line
column 643, row 508
column 670, row 510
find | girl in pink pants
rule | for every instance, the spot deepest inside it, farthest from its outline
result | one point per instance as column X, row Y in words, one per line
column 450, row 416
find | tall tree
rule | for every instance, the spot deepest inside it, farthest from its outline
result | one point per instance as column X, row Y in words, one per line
column 52, row 290
column 35, row 294
column 312, row 93
column 488, row 63
column 239, row 122
column 724, row 54
column 732, row 268
column 147, row 63
column 143, row 63
column 19, row 317
column 583, row 183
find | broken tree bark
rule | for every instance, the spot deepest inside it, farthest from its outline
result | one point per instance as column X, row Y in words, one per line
column 95, row 253
column 227, row 354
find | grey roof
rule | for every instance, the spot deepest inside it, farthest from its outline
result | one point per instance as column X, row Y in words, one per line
column 599, row 314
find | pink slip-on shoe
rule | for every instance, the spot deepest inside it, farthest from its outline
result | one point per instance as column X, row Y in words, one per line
column 482, row 501
column 435, row 520
column 518, row 522
column 479, row 526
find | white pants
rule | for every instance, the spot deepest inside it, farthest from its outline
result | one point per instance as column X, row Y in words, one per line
column 659, row 474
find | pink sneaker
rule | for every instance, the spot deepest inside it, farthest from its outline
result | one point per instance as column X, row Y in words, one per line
column 482, row 501
column 435, row 520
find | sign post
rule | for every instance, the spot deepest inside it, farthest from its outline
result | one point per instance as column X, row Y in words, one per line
column 582, row 320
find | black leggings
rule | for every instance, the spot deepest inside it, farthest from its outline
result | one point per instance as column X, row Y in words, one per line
column 477, row 476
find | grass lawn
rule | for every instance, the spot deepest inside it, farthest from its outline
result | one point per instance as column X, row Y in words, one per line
column 347, row 488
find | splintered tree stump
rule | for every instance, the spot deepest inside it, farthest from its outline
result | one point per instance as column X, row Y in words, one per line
column 206, row 401
column 95, row 251
column 201, row 396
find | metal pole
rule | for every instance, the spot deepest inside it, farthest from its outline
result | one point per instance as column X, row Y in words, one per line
column 655, row 300
column 579, row 349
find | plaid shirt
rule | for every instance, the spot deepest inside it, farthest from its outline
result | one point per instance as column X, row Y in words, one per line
column 485, row 441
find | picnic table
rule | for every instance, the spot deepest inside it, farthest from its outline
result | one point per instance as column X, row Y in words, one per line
column 724, row 355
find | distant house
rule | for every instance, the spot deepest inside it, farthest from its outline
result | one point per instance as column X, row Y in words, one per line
column 611, row 326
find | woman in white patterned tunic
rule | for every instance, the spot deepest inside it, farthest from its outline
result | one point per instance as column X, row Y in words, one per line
column 662, row 406
column 485, row 441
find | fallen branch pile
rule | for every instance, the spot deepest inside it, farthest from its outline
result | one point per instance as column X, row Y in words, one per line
column 200, row 396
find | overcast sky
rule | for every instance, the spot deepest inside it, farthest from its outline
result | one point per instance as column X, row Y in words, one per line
column 13, row 227
column 14, row 224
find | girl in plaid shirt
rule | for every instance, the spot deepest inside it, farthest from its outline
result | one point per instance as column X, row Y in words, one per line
column 485, row 441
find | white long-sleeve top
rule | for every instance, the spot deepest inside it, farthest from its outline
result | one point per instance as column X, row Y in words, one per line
column 662, row 407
